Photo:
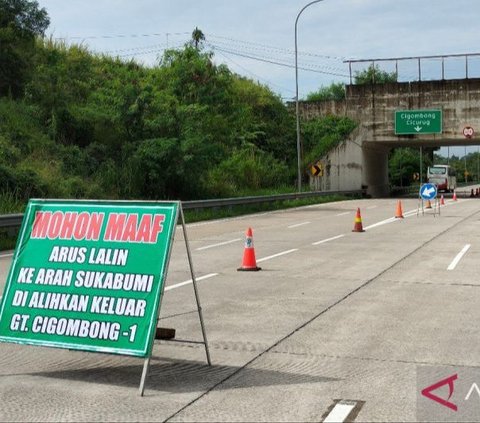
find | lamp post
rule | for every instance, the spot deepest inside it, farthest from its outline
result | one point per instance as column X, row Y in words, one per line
column 297, row 109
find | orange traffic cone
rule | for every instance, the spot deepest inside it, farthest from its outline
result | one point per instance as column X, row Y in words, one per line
column 442, row 201
column 357, row 227
column 249, row 263
column 429, row 205
column 454, row 195
column 399, row 211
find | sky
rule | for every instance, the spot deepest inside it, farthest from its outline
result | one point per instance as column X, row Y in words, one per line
column 256, row 38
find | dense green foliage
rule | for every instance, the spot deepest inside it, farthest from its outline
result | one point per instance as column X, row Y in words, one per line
column 321, row 135
column 79, row 125
column 404, row 162
column 20, row 22
column 335, row 91
column 374, row 75
column 469, row 163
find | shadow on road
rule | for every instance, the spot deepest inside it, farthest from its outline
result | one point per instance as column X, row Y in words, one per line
column 180, row 376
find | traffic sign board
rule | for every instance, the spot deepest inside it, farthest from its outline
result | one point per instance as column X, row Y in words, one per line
column 409, row 122
column 428, row 191
column 317, row 169
column 89, row 275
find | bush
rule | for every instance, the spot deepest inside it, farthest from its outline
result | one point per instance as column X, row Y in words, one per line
column 321, row 135
column 248, row 168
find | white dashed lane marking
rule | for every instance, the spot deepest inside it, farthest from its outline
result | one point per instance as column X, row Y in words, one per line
column 458, row 257
column 201, row 278
column 277, row 255
column 328, row 239
column 298, row 224
column 218, row 245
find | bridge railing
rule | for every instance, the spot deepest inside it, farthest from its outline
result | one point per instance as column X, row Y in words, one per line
column 420, row 61
column 15, row 220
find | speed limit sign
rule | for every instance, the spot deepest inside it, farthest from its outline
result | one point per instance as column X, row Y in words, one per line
column 468, row 132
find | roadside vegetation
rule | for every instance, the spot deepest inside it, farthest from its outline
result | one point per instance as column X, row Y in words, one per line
column 74, row 124
column 404, row 163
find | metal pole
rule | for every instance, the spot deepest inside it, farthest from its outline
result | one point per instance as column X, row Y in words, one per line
column 146, row 365
column 421, row 165
column 465, row 160
column 297, row 107
column 478, row 165
column 194, row 282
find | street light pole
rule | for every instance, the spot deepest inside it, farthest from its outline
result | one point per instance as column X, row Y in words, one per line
column 297, row 107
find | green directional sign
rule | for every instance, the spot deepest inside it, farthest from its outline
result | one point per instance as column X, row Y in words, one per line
column 409, row 122
column 88, row 275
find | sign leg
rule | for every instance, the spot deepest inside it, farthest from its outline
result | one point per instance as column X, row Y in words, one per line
column 194, row 282
column 146, row 365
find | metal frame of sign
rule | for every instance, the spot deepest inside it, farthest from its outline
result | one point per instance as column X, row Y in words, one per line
column 149, row 338
column 420, row 205
column 146, row 363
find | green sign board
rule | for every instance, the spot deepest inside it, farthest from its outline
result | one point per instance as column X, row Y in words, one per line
column 409, row 122
column 88, row 275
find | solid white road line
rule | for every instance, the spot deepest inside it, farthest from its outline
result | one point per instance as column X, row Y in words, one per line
column 458, row 257
column 383, row 222
column 218, row 245
column 328, row 239
column 343, row 214
column 277, row 255
column 201, row 278
column 6, row 255
column 298, row 224
column 371, row 207
column 339, row 413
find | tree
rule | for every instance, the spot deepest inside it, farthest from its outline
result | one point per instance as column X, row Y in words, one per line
column 404, row 162
column 21, row 21
column 374, row 75
column 332, row 92
column 197, row 37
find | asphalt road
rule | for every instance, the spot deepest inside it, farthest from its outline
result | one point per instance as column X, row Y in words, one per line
column 333, row 315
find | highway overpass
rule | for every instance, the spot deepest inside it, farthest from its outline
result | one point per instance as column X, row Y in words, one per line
column 362, row 159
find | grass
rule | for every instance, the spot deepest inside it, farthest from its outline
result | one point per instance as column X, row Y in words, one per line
column 8, row 239
column 10, row 203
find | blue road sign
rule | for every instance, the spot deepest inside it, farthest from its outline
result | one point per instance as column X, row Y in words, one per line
column 428, row 191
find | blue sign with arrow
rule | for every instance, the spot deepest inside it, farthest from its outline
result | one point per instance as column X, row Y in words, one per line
column 428, row 191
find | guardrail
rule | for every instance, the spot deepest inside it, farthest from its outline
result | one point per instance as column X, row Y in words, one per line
column 11, row 220
column 463, row 190
column 15, row 220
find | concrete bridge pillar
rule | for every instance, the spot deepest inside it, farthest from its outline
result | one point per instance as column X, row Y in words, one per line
column 375, row 165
